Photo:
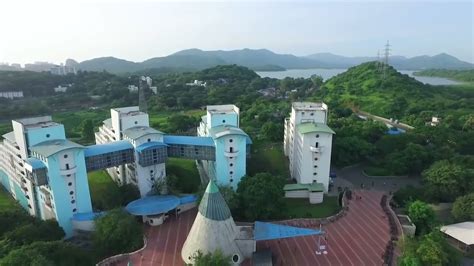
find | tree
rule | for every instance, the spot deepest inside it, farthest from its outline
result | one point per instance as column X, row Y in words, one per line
column 422, row 216
column 463, row 208
column 261, row 196
column 317, row 80
column 211, row 259
column 47, row 253
column 87, row 130
column 117, row 232
column 447, row 180
column 272, row 131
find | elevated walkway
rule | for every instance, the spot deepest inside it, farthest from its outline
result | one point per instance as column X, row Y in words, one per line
column 108, row 155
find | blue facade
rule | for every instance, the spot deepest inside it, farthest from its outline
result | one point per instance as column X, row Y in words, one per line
column 61, row 192
column 38, row 135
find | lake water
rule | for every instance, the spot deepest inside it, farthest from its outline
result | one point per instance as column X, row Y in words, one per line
column 328, row 73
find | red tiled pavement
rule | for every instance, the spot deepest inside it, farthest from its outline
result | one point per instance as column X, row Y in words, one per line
column 359, row 238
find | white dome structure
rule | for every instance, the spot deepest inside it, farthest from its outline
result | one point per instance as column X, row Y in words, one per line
column 215, row 229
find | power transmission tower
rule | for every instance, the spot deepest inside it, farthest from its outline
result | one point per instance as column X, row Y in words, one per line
column 142, row 85
column 386, row 56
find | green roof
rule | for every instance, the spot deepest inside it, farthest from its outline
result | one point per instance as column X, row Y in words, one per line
column 314, row 187
column 314, row 127
column 213, row 205
column 50, row 147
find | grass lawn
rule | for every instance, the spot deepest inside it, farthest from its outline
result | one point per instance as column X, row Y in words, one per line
column 187, row 173
column 301, row 208
column 7, row 202
column 268, row 157
column 102, row 188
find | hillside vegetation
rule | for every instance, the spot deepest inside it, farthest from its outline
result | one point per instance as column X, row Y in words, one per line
column 396, row 95
column 458, row 75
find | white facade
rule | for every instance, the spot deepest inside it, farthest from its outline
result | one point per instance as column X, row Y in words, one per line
column 308, row 143
column 129, row 123
column 60, row 88
column 11, row 94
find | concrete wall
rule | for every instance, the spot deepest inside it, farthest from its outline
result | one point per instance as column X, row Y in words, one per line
column 316, row 197
column 304, row 193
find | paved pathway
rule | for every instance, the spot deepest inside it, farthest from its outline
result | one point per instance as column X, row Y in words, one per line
column 359, row 238
column 352, row 177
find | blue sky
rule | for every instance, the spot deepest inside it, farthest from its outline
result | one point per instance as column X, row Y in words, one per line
column 56, row 30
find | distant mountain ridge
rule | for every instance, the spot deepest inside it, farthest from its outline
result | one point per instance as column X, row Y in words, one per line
column 262, row 59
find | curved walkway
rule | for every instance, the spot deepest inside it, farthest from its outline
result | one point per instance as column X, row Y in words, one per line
column 358, row 238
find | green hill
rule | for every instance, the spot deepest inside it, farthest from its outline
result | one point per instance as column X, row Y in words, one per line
column 394, row 95
column 466, row 75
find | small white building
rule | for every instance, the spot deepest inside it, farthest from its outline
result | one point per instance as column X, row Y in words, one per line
column 435, row 121
column 61, row 88
column 11, row 94
column 308, row 143
column 132, row 88
column 197, row 83
column 460, row 235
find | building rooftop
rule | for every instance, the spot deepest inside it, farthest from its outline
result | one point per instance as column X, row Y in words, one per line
column 35, row 163
column 223, row 109
column 129, row 111
column 309, row 106
column 463, row 232
column 153, row 205
column 51, row 147
column 150, row 145
column 108, row 122
column 268, row 231
column 140, row 131
column 188, row 140
column 223, row 130
column 314, row 127
column 10, row 136
column 99, row 149
column 213, row 205
column 37, row 122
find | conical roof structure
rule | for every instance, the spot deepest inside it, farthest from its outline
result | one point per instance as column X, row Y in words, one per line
column 213, row 229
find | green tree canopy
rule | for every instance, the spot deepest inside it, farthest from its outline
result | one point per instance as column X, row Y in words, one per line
column 261, row 196
column 463, row 208
column 422, row 216
column 54, row 253
column 211, row 259
column 447, row 180
column 117, row 232
column 87, row 131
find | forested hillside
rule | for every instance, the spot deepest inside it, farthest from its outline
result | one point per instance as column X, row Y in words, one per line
column 459, row 75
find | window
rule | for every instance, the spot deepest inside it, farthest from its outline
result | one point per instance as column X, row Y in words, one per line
column 67, row 166
column 317, row 135
column 71, row 192
column 314, row 181
column 231, row 149
column 231, row 164
column 231, row 140
column 315, row 166
column 136, row 122
column 316, row 158
column 302, row 113
column 312, row 114
column 47, row 135
column 314, row 173
column 74, row 210
column 235, row 258
column 68, row 175
column 231, row 172
column 73, row 201
column 65, row 156
column 317, row 144
column 151, row 171
column 231, row 180
column 69, row 184
column 223, row 121
column 148, row 140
